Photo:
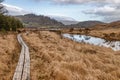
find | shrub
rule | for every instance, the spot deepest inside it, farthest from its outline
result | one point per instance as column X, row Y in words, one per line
column 8, row 23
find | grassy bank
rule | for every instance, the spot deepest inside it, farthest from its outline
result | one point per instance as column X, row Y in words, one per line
column 111, row 34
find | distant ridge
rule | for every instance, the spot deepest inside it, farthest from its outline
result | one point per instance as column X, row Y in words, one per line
column 32, row 20
column 115, row 24
column 87, row 24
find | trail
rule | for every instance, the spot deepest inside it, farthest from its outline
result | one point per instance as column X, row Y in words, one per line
column 22, row 71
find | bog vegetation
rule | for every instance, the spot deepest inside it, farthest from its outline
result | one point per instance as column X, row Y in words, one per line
column 57, row 58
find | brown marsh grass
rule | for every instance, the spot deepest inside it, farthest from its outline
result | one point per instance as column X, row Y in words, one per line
column 9, row 50
column 107, row 33
column 56, row 58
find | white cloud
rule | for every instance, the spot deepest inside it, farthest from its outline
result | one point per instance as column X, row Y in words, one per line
column 107, row 12
column 14, row 10
column 104, row 11
column 83, row 1
column 71, row 1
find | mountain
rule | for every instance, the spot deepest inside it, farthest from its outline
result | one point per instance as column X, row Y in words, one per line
column 63, row 19
column 112, row 25
column 86, row 24
column 115, row 24
column 14, row 11
column 32, row 20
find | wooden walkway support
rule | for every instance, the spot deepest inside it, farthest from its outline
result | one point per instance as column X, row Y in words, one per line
column 22, row 71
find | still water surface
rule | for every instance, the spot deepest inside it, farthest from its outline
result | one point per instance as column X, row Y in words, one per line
column 115, row 45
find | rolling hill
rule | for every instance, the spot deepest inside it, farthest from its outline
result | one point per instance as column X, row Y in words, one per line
column 112, row 25
column 115, row 24
column 87, row 24
column 32, row 20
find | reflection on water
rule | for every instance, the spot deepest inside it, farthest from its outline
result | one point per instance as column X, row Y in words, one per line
column 115, row 45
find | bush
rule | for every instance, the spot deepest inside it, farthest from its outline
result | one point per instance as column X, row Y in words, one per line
column 9, row 23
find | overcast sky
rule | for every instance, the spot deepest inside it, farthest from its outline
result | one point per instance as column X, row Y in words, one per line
column 80, row 10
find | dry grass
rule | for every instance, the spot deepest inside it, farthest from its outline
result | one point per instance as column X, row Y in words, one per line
column 8, row 56
column 108, row 34
column 56, row 58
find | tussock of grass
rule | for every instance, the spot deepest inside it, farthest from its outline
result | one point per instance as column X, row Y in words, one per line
column 56, row 58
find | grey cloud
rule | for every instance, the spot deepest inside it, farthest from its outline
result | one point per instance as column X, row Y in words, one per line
column 108, row 10
column 111, row 18
column 83, row 1
column 108, row 13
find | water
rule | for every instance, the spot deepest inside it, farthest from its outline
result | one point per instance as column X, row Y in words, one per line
column 115, row 45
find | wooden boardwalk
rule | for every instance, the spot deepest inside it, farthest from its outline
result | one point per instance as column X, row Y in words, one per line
column 22, row 71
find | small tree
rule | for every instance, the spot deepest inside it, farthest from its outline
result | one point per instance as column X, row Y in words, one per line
column 6, row 22
column 9, row 23
column 2, row 9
